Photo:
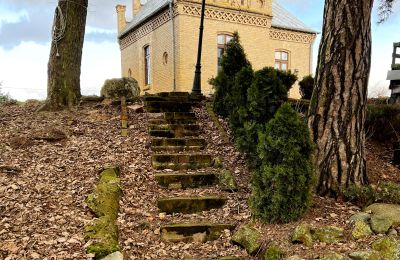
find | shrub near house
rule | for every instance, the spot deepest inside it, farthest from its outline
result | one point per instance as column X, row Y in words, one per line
column 249, row 100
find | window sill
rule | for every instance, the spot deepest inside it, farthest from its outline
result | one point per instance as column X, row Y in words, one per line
column 147, row 87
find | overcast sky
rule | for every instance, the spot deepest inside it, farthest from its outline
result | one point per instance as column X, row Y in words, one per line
column 25, row 27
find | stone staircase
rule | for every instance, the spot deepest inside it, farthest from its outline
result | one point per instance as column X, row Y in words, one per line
column 180, row 162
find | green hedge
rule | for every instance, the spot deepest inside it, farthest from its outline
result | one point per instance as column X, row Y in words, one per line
column 383, row 122
column 281, row 187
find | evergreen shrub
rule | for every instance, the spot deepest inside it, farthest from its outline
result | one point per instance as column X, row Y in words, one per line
column 282, row 185
column 306, row 87
column 233, row 61
column 383, row 122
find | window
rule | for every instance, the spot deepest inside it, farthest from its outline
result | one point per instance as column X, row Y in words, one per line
column 282, row 60
column 130, row 73
column 222, row 40
column 147, row 66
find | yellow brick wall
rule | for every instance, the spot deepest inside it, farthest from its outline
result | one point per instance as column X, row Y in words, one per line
column 132, row 57
column 255, row 40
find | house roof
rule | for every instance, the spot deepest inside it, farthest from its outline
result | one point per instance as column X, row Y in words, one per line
column 281, row 18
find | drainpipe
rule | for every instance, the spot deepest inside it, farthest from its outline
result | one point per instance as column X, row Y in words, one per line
column 311, row 57
column 171, row 13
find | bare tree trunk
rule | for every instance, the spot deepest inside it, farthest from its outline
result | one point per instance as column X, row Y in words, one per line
column 64, row 67
column 338, row 105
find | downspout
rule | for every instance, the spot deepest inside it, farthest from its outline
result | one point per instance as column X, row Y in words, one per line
column 171, row 12
column 311, row 56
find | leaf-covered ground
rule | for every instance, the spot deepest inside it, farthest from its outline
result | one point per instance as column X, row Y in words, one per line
column 49, row 163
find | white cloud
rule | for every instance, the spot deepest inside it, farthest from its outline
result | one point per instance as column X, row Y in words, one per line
column 23, row 69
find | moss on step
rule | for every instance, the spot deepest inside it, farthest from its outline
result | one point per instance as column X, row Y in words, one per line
column 104, row 203
column 180, row 161
column 188, row 205
column 227, row 181
column 187, row 180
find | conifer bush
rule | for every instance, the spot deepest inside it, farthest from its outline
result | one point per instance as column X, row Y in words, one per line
column 233, row 60
column 282, row 185
column 306, row 87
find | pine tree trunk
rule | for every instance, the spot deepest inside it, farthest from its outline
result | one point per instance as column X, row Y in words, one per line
column 338, row 105
column 64, row 67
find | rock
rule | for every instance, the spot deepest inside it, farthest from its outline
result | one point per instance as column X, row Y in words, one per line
column 104, row 201
column 380, row 224
column 116, row 88
column 360, row 216
column 388, row 248
column 329, row 234
column 248, row 238
column 217, row 162
column 104, row 234
column 273, row 252
column 332, row 256
column 361, row 229
column 302, row 234
column 114, row 256
column 227, row 181
column 389, row 211
column 392, row 232
column 360, row 255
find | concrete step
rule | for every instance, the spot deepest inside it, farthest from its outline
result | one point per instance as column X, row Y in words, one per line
column 181, row 161
column 179, row 115
column 177, row 149
column 167, row 106
column 178, row 142
column 172, row 121
column 193, row 232
column 189, row 205
column 186, row 180
column 224, row 179
column 218, row 258
column 174, row 130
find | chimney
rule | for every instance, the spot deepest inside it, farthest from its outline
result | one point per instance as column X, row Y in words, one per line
column 136, row 6
column 121, row 10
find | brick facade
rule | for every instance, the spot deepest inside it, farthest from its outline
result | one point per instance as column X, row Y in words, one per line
column 253, row 23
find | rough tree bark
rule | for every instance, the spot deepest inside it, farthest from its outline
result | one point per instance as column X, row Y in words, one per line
column 338, row 106
column 64, row 67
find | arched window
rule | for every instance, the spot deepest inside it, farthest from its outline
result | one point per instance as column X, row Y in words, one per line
column 222, row 40
column 147, row 65
column 282, row 60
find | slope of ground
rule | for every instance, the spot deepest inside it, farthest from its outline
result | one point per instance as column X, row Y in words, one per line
column 44, row 182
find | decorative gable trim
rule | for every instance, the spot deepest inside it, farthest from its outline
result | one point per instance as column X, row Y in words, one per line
column 291, row 36
column 227, row 15
column 146, row 28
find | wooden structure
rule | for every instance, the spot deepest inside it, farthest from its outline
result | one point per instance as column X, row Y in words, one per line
column 394, row 75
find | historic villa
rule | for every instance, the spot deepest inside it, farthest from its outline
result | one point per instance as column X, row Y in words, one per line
column 161, row 52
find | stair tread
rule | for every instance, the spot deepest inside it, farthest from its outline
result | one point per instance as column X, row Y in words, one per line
column 190, row 204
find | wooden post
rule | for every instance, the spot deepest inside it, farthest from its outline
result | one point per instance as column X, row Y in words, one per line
column 124, row 117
